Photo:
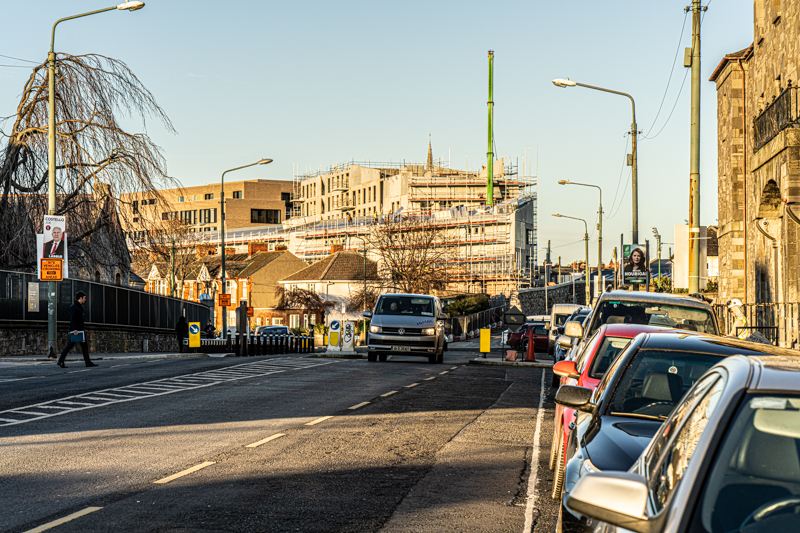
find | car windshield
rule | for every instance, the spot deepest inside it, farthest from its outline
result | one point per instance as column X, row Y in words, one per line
column 655, row 314
column 606, row 354
column 754, row 484
column 562, row 319
column 405, row 305
column 656, row 380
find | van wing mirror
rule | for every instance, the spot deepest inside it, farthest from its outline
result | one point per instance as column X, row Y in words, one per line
column 547, row 326
column 573, row 329
column 618, row 498
column 367, row 314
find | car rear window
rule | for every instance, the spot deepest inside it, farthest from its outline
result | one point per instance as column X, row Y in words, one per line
column 606, row 354
column 562, row 319
column 655, row 314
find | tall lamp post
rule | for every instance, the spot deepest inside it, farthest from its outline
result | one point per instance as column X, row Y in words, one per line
column 222, row 235
column 634, row 132
column 51, row 154
column 586, row 245
column 365, row 265
column 599, row 229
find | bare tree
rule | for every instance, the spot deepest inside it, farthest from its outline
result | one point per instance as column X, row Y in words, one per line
column 297, row 298
column 96, row 159
column 359, row 300
column 414, row 254
column 171, row 241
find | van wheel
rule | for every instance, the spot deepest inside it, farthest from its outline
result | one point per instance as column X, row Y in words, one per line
column 372, row 357
column 433, row 358
column 445, row 346
column 440, row 357
column 383, row 357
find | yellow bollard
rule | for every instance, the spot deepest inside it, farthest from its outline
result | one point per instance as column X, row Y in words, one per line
column 486, row 340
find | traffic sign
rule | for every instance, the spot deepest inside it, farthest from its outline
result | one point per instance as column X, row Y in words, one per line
column 514, row 318
column 51, row 269
column 224, row 300
column 194, row 335
column 249, row 312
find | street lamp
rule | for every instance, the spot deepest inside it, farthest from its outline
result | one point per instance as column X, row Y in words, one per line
column 599, row 229
column 634, row 132
column 658, row 241
column 51, row 153
column 586, row 244
column 365, row 265
column 222, row 235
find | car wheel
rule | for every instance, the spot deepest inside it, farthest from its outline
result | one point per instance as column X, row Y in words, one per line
column 554, row 446
column 445, row 346
column 372, row 357
column 432, row 358
column 558, row 476
column 383, row 356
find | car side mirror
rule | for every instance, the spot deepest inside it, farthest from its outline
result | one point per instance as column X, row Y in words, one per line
column 367, row 314
column 566, row 369
column 575, row 397
column 618, row 498
column 565, row 342
column 573, row 329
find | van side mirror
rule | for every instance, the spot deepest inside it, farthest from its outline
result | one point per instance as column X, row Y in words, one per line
column 547, row 326
column 367, row 314
column 573, row 329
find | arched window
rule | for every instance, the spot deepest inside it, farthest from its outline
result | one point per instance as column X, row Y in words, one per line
column 118, row 279
column 97, row 275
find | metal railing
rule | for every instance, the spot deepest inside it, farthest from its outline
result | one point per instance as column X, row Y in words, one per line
column 105, row 304
column 779, row 114
column 255, row 345
column 777, row 322
column 464, row 327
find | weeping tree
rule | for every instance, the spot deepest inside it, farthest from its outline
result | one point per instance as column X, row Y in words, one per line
column 297, row 298
column 96, row 161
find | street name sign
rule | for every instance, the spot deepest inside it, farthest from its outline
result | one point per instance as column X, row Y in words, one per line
column 514, row 318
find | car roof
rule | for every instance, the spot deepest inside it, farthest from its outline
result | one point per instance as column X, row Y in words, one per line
column 407, row 294
column 653, row 297
column 630, row 330
column 685, row 341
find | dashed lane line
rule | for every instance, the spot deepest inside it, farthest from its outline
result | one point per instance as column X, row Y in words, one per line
column 359, row 405
column 430, row 378
column 388, row 394
column 443, row 373
column 150, row 389
column 412, row 385
column 318, row 420
column 264, row 441
column 64, row 520
column 185, row 472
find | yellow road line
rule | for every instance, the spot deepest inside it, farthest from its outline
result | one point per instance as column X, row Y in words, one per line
column 362, row 404
column 453, row 368
column 430, row 378
column 185, row 472
column 318, row 420
column 54, row 523
column 443, row 373
column 264, row 441
column 412, row 385
column 388, row 394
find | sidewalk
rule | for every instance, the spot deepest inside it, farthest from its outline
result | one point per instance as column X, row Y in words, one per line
column 76, row 355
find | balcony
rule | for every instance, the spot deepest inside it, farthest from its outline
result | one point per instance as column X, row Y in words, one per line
column 778, row 115
column 342, row 203
column 340, row 184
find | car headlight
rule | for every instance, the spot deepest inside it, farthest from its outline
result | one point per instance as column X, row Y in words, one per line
column 374, row 329
column 429, row 331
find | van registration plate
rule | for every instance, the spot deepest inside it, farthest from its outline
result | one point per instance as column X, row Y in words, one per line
column 401, row 349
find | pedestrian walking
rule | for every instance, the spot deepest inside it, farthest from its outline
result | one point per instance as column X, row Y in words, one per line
column 181, row 331
column 77, row 331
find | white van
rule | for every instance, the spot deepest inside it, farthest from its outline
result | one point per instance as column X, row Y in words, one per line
column 558, row 315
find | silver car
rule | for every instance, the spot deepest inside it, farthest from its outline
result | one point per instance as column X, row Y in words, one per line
column 407, row 324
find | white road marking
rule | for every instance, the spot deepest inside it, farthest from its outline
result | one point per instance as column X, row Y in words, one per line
column 264, row 441
column 151, row 389
column 388, row 394
column 412, row 385
column 68, row 518
column 362, row 404
column 532, row 492
column 185, row 472
column 318, row 420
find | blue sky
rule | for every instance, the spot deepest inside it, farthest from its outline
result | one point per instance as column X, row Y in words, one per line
column 316, row 83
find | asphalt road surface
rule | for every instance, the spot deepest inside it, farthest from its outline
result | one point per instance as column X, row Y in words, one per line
column 280, row 443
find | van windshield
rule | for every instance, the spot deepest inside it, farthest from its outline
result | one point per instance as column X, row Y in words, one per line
column 654, row 314
column 562, row 319
column 404, row 305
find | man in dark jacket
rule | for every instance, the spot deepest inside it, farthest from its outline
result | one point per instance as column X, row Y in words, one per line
column 181, row 331
column 77, row 327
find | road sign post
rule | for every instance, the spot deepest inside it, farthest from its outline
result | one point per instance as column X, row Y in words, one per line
column 513, row 318
column 194, row 335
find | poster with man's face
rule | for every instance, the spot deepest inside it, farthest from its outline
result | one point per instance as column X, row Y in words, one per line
column 52, row 242
column 635, row 263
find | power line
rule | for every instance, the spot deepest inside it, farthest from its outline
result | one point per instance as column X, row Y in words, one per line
column 621, row 170
column 18, row 59
column 16, row 66
column 685, row 75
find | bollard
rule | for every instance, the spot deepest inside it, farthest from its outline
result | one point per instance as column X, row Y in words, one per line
column 282, row 344
column 311, row 344
column 271, row 345
column 228, row 344
column 530, row 354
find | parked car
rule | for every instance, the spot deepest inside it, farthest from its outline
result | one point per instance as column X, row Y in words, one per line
column 586, row 371
column 637, row 393
column 410, row 324
column 519, row 339
column 558, row 317
column 272, row 330
column 727, row 459
column 560, row 351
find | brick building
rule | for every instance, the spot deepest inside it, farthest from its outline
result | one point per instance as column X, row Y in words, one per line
column 758, row 150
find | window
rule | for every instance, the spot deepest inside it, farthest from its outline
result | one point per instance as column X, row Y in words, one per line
column 607, row 352
column 237, row 194
column 208, row 216
column 189, row 217
column 286, row 197
column 172, row 215
column 294, row 321
column 313, row 318
column 135, row 206
column 209, row 196
column 181, row 199
column 277, row 321
column 529, row 237
column 265, row 216
column 139, row 235
column 305, row 320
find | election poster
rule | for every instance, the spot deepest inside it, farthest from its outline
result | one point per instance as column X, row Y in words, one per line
column 52, row 242
column 636, row 265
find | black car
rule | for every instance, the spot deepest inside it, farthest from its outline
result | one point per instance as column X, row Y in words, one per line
column 637, row 393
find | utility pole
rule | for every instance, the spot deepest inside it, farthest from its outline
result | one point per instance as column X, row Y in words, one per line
column 490, row 152
column 694, row 170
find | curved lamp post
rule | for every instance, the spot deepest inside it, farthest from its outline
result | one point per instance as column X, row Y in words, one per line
column 586, row 244
column 222, row 235
column 563, row 83
column 51, row 153
column 599, row 229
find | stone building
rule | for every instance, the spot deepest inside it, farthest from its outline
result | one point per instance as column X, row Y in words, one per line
column 758, row 150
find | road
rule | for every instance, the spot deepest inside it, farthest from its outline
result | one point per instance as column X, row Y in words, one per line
column 279, row 443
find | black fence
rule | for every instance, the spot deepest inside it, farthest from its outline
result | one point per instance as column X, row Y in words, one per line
column 255, row 345
column 105, row 304
column 777, row 322
column 461, row 326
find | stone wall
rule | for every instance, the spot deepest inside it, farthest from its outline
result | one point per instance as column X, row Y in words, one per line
column 540, row 300
column 17, row 340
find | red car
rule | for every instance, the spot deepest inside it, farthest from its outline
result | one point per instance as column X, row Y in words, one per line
column 519, row 339
column 587, row 371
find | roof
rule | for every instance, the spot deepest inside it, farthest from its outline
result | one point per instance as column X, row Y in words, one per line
column 259, row 261
column 340, row 266
column 692, row 342
column 779, row 373
column 653, row 297
column 741, row 54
